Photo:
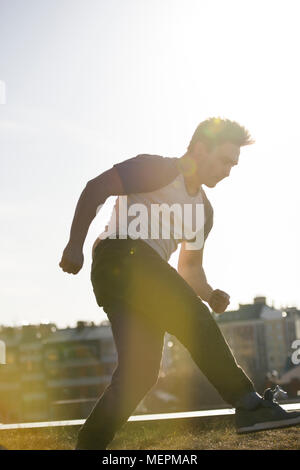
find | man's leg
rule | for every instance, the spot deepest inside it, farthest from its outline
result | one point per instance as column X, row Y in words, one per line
column 153, row 290
column 139, row 347
column 157, row 292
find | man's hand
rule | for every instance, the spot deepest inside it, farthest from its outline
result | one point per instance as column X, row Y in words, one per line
column 72, row 259
column 219, row 301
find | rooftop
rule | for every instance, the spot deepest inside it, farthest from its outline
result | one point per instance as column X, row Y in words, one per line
column 256, row 311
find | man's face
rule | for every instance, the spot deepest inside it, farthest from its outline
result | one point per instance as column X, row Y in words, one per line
column 215, row 165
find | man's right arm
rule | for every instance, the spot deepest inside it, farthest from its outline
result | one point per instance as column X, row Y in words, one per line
column 91, row 199
column 142, row 173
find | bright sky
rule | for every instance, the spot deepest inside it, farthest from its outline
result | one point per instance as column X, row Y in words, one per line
column 90, row 83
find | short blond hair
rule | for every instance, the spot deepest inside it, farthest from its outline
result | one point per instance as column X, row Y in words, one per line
column 216, row 131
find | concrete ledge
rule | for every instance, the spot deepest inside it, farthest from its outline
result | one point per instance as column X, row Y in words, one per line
column 141, row 418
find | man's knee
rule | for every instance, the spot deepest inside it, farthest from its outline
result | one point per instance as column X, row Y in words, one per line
column 140, row 373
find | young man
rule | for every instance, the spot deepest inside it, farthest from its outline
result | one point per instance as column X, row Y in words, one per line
column 143, row 296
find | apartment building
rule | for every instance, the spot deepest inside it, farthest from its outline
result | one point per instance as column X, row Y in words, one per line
column 49, row 373
column 78, row 364
column 260, row 337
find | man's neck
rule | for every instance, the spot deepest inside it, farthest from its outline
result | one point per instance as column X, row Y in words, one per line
column 188, row 167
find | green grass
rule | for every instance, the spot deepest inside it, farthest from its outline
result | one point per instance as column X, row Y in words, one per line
column 210, row 434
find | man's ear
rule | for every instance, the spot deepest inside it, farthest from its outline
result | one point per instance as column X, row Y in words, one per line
column 199, row 149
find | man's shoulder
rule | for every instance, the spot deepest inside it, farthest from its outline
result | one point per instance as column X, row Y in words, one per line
column 147, row 159
column 147, row 172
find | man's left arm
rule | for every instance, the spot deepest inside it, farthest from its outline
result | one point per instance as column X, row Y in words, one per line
column 191, row 269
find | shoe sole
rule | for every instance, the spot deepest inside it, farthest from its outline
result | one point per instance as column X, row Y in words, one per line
column 283, row 423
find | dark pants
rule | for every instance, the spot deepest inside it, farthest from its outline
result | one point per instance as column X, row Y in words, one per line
column 143, row 297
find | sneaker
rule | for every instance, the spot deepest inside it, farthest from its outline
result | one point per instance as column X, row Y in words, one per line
column 267, row 415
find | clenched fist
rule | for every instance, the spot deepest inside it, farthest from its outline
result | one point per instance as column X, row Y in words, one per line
column 219, row 301
column 72, row 259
